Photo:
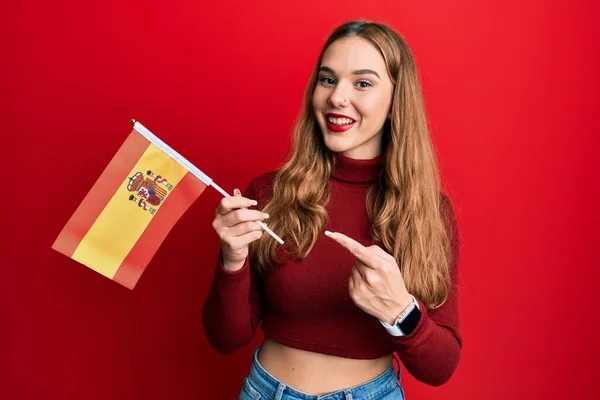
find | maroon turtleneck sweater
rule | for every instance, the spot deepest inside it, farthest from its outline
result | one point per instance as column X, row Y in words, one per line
column 305, row 304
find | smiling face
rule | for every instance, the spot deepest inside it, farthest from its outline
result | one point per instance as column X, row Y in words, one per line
column 352, row 98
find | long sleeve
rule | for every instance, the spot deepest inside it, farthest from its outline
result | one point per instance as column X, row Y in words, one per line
column 232, row 312
column 432, row 351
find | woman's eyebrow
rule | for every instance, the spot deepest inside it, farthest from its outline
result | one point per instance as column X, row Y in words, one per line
column 355, row 72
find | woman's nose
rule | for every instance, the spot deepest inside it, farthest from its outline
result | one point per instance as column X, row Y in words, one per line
column 340, row 97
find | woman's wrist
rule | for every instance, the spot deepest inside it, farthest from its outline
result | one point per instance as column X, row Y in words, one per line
column 232, row 265
column 404, row 303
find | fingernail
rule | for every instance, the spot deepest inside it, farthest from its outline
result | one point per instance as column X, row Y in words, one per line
column 329, row 234
column 236, row 192
column 265, row 215
column 253, row 202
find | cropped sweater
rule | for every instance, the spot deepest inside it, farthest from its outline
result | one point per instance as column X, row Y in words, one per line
column 305, row 304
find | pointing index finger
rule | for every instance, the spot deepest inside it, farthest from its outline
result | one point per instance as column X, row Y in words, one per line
column 358, row 250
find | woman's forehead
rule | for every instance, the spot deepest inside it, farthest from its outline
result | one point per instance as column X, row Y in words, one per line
column 353, row 53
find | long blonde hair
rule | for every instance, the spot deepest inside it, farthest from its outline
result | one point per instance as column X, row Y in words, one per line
column 403, row 205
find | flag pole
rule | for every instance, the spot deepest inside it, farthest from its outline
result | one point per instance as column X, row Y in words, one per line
column 193, row 170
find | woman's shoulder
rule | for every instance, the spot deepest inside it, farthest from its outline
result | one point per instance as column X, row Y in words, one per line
column 447, row 210
column 261, row 186
column 264, row 180
column 446, row 203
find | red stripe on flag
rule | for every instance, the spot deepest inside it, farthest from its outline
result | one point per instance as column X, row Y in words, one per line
column 179, row 200
column 100, row 194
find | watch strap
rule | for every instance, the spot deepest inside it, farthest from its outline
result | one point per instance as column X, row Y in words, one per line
column 406, row 321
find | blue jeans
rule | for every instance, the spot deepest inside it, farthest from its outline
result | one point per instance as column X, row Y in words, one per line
column 260, row 385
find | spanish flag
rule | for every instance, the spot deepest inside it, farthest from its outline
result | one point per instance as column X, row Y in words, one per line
column 124, row 218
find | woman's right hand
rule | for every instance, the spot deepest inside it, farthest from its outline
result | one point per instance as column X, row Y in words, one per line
column 236, row 227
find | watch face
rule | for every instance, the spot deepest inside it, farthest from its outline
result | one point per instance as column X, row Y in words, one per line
column 410, row 321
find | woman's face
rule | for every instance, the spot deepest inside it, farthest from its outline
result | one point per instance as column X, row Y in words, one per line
column 352, row 98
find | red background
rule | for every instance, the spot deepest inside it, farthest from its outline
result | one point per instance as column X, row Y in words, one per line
column 511, row 92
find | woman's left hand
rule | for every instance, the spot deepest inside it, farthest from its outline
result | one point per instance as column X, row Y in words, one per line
column 376, row 284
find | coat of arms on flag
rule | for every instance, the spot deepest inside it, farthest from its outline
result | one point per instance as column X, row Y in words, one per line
column 148, row 191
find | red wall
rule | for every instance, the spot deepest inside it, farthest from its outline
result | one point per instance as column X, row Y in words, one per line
column 511, row 89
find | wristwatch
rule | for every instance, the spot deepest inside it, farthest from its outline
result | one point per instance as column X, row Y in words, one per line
column 407, row 321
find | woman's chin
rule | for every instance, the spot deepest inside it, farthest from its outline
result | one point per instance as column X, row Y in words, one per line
column 337, row 145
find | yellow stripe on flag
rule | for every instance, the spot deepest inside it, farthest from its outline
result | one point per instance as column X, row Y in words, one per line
column 122, row 222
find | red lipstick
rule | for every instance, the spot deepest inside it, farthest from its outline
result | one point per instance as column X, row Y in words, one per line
column 338, row 128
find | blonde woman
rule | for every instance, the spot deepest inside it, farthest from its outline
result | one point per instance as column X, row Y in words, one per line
column 369, row 268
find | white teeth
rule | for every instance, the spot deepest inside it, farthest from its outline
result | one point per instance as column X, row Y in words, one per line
column 340, row 121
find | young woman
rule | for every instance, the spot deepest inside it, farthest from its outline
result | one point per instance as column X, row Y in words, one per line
column 369, row 267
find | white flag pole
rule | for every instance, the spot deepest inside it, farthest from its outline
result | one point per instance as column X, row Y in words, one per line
column 190, row 167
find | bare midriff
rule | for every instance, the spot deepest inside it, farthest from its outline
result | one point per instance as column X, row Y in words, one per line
column 317, row 373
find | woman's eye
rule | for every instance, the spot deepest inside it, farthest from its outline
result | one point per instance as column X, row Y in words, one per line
column 327, row 81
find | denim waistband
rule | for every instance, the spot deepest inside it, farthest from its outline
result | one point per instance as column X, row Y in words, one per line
column 274, row 388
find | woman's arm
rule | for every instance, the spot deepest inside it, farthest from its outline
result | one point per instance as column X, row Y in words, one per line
column 432, row 351
column 231, row 312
